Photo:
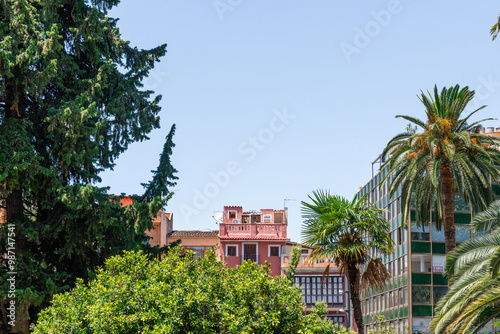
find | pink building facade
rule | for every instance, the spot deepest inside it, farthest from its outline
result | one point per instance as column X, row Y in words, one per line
column 258, row 236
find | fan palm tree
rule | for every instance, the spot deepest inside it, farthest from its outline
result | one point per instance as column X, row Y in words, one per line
column 474, row 295
column 447, row 156
column 348, row 234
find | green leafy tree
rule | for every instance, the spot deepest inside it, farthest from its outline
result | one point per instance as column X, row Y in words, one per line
column 347, row 233
column 71, row 101
column 473, row 298
column 181, row 295
column 447, row 156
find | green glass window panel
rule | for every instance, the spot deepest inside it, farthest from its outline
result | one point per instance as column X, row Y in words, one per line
column 421, row 294
column 421, row 311
column 413, row 215
column 438, row 292
column 462, row 218
column 459, row 204
column 420, row 247
column 405, row 249
column 438, row 248
column 420, row 232
column 462, row 233
column 496, row 189
column 439, row 279
column 417, row 278
column 405, row 311
column 437, row 234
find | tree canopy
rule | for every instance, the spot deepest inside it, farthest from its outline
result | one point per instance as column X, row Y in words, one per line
column 71, row 101
column 178, row 294
column 444, row 156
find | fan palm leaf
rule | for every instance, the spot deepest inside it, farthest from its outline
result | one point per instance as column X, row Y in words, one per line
column 347, row 233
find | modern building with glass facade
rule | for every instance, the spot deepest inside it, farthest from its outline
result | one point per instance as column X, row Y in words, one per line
column 408, row 299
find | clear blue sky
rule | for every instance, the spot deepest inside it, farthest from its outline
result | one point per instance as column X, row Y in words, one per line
column 277, row 98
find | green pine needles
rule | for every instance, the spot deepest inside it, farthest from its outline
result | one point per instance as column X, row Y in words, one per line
column 71, row 101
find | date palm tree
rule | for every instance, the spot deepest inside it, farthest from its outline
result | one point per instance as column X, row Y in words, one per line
column 349, row 234
column 474, row 266
column 443, row 156
column 495, row 29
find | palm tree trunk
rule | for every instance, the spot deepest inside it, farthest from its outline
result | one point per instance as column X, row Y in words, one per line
column 353, row 280
column 446, row 179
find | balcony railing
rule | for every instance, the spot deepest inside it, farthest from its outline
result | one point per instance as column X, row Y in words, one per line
column 265, row 231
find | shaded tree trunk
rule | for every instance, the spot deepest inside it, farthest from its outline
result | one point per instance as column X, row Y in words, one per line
column 353, row 281
column 446, row 180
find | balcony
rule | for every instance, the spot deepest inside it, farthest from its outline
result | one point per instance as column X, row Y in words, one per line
column 253, row 231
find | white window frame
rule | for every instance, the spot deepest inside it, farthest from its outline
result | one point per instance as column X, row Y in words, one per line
column 270, row 216
column 269, row 250
column 231, row 245
column 256, row 251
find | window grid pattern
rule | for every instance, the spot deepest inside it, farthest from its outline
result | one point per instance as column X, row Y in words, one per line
column 331, row 291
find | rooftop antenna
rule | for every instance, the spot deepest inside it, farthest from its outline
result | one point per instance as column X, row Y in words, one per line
column 284, row 207
column 218, row 217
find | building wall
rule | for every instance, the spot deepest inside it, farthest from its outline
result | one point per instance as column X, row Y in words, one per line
column 262, row 254
column 310, row 278
column 417, row 282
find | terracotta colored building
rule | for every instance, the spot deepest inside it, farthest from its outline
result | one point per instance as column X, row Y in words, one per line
column 162, row 225
column 258, row 236
column 195, row 240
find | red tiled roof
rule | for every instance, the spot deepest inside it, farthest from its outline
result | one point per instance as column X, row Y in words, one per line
column 194, row 233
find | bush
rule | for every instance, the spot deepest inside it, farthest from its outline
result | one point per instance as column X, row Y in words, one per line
column 181, row 295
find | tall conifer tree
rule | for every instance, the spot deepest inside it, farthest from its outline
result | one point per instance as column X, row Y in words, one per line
column 164, row 176
column 71, row 100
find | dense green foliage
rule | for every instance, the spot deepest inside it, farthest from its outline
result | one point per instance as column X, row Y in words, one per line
column 70, row 103
column 474, row 267
column 181, row 295
column 164, row 176
column 447, row 156
column 346, row 233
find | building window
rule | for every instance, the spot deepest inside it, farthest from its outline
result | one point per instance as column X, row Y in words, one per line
column 274, row 250
column 231, row 214
column 267, row 218
column 339, row 320
column 199, row 251
column 231, row 250
column 329, row 291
